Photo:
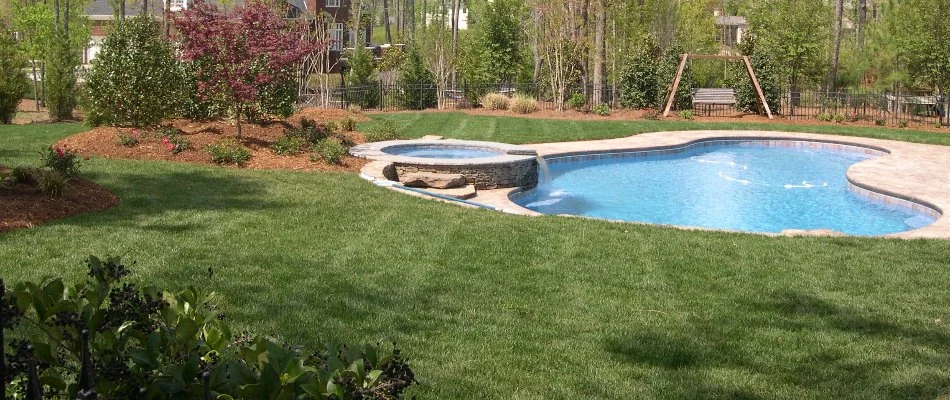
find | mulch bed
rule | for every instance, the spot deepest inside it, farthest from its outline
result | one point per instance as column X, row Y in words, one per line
column 25, row 206
column 257, row 137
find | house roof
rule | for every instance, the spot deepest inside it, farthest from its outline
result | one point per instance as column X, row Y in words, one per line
column 731, row 20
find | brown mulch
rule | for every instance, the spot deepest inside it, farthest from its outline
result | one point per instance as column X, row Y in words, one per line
column 25, row 206
column 257, row 137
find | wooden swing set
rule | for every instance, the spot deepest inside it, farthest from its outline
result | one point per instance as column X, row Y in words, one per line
column 715, row 96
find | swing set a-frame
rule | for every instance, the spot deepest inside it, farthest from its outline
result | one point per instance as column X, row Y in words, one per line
column 763, row 104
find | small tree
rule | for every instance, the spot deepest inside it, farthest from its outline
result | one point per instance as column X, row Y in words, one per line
column 60, row 78
column 666, row 72
column 361, row 79
column 135, row 78
column 13, row 83
column 747, row 99
column 417, row 82
column 240, row 51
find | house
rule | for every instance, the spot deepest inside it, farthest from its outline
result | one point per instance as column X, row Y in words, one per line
column 729, row 31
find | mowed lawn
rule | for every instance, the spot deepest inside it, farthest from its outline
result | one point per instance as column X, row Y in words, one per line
column 496, row 306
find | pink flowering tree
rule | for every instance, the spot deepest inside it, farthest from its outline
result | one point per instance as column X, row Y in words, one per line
column 237, row 52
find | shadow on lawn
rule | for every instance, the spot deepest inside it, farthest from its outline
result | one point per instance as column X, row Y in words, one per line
column 829, row 349
column 145, row 193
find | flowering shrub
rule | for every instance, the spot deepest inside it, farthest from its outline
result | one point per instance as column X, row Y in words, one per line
column 129, row 139
column 124, row 341
column 61, row 160
column 175, row 144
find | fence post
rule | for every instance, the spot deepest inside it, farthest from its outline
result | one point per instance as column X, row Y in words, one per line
column 33, row 389
column 206, row 383
column 86, row 382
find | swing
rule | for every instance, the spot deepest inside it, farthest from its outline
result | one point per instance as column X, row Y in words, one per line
column 715, row 96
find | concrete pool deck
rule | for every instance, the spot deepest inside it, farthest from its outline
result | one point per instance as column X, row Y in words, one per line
column 910, row 174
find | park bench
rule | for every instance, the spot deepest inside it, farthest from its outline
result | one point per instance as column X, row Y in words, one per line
column 706, row 98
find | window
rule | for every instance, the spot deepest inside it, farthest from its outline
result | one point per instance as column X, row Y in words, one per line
column 333, row 3
column 336, row 37
column 177, row 5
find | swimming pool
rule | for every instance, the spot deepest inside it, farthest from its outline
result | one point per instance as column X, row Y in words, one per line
column 741, row 186
column 451, row 152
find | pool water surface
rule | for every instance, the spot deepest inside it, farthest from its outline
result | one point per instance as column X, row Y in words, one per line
column 731, row 186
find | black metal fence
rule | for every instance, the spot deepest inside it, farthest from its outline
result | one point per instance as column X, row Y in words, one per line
column 882, row 108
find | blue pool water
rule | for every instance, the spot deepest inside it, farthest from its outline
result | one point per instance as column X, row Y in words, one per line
column 440, row 152
column 728, row 186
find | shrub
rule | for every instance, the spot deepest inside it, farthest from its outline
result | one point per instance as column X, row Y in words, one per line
column 686, row 114
column 277, row 98
column 129, row 139
column 386, row 130
column 348, row 124
column 51, row 182
column 354, row 108
column 837, row 118
column 135, row 78
column 417, row 83
column 638, row 80
column 229, row 151
column 523, row 104
column 362, row 85
column 902, row 123
column 651, row 114
column 144, row 342
column 577, row 102
column 666, row 72
column 853, row 117
column 602, row 109
column 495, row 101
column 175, row 144
column 61, row 160
column 823, row 116
column 766, row 71
column 13, row 83
column 329, row 150
column 310, row 131
column 60, row 85
column 287, row 145
column 879, row 121
column 23, row 174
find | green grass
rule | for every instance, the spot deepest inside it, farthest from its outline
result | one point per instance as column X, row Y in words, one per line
column 519, row 130
column 496, row 306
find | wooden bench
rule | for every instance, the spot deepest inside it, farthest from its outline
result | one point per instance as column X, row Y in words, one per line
column 707, row 98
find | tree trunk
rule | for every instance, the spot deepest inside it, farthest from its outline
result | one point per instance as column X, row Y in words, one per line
column 862, row 21
column 389, row 35
column 836, row 47
column 237, row 120
column 145, row 7
column 425, row 15
column 36, row 94
column 536, row 52
column 122, row 10
column 599, row 33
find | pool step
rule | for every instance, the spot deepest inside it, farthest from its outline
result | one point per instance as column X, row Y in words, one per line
column 461, row 193
column 432, row 180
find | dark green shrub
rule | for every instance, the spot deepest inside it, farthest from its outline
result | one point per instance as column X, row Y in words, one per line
column 416, row 82
column 287, row 145
column 61, row 160
column 577, row 102
column 146, row 343
column 310, row 131
column 60, row 78
column 229, row 151
column 51, row 182
column 686, row 114
column 135, row 78
column 193, row 106
column 766, row 71
column 638, row 78
column 361, row 82
column 666, row 72
column 330, row 151
column 13, row 83
column 386, row 130
column 602, row 109
column 278, row 98
column 23, row 174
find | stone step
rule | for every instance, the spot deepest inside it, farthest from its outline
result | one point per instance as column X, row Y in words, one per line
column 432, row 180
column 462, row 193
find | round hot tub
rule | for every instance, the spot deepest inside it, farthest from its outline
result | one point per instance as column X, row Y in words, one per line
column 485, row 165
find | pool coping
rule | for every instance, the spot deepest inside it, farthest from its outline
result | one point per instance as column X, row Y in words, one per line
column 508, row 153
column 911, row 173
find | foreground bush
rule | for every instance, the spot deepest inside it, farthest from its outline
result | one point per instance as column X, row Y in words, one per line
column 330, row 151
column 107, row 338
column 13, row 83
column 135, row 78
column 229, row 151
